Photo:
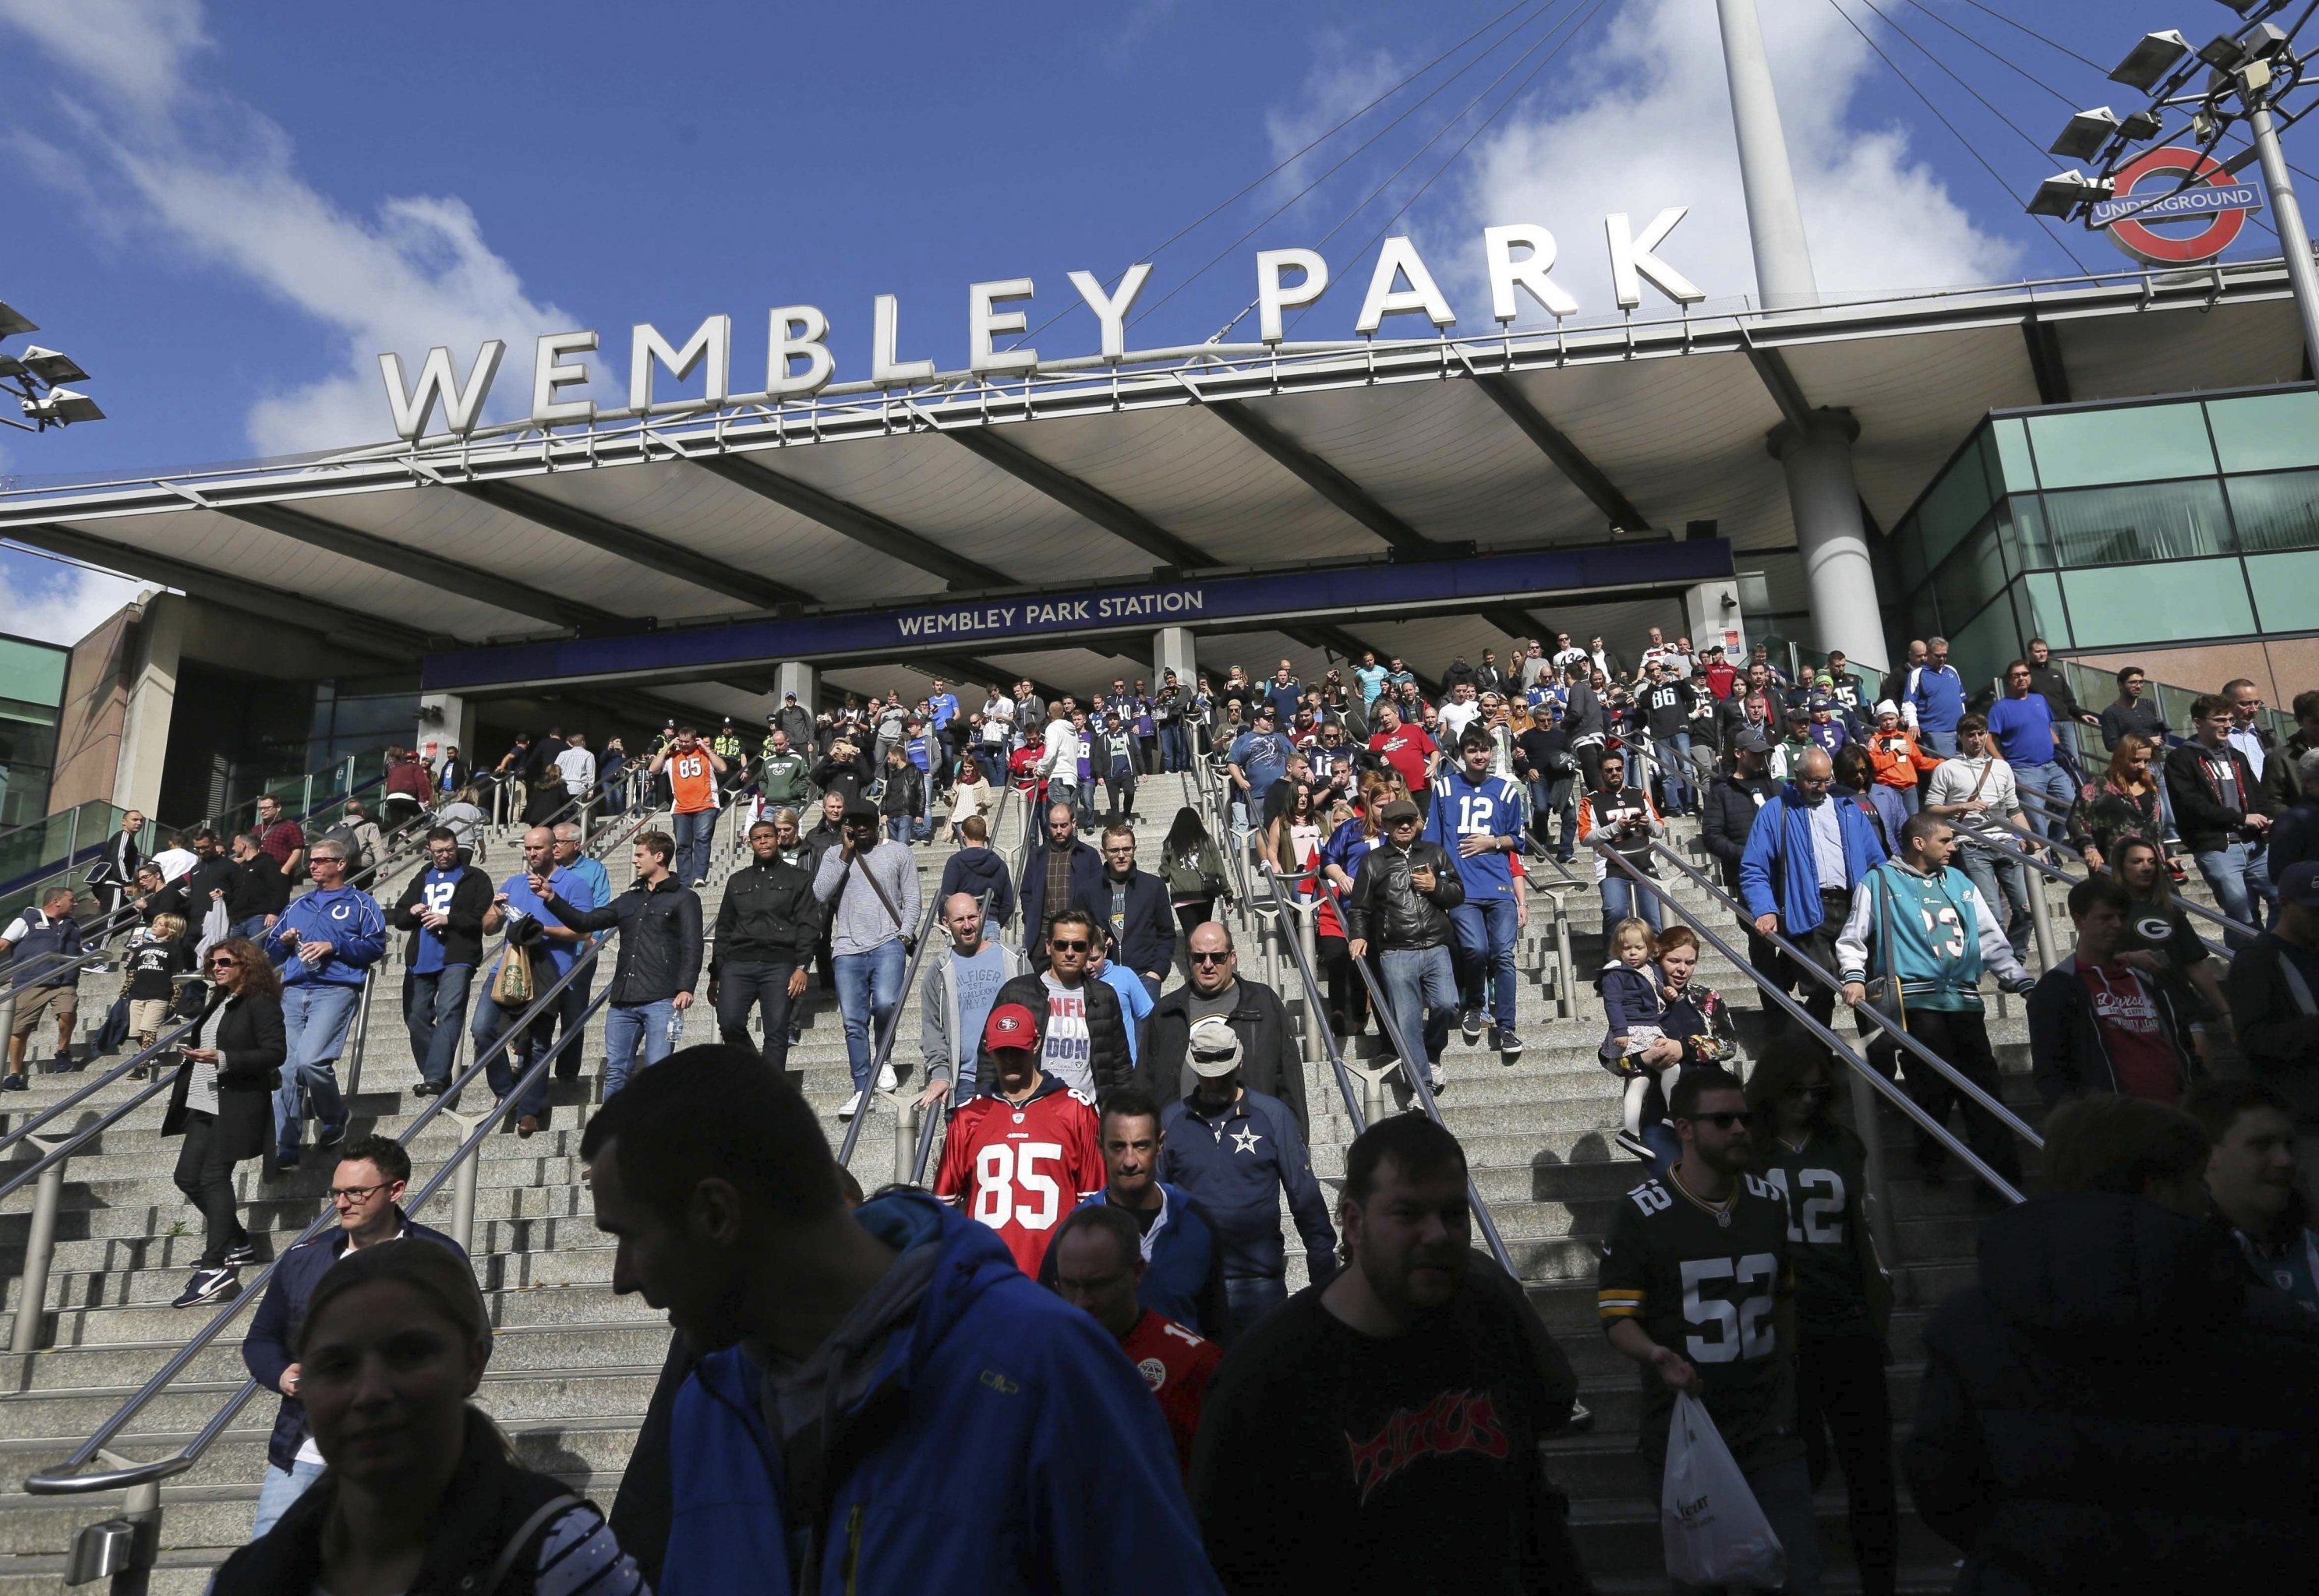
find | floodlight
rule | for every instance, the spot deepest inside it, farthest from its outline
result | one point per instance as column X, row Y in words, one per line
column 14, row 321
column 2088, row 131
column 10, row 367
column 2262, row 41
column 63, row 406
column 2223, row 51
column 2151, row 59
column 2140, row 127
column 2243, row 7
column 52, row 366
column 2064, row 192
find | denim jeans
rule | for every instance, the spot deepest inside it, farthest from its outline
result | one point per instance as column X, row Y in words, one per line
column 1989, row 874
column 1943, row 743
column 1784, row 1493
column 2239, row 876
column 1673, row 755
column 1250, row 1297
column 741, row 987
column 1485, row 931
column 255, row 926
column 868, row 990
column 435, row 1004
column 1424, row 991
column 901, row 828
column 316, row 1016
column 1175, row 749
column 1562, row 797
column 693, row 833
column 504, row 1065
column 625, row 1025
column 1622, row 899
column 280, row 1488
column 2051, row 783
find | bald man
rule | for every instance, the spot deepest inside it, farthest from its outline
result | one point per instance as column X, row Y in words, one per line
column 955, row 993
column 1806, row 853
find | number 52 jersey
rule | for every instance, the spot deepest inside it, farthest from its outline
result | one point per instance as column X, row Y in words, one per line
column 1705, row 1280
column 1021, row 1168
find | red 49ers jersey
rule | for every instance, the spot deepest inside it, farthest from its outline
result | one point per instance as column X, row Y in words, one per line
column 1178, row 1365
column 1020, row 1170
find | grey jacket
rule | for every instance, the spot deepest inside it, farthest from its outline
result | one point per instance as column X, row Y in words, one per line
column 946, row 1044
column 859, row 921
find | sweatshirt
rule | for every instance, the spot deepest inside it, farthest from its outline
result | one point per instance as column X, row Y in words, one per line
column 347, row 918
column 859, row 921
column 976, row 871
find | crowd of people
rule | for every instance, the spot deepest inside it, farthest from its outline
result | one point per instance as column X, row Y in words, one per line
column 1126, row 1120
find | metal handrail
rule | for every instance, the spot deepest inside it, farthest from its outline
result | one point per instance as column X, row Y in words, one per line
column 928, row 1121
column 2229, row 926
column 1316, row 1010
column 882, row 1048
column 1863, row 1072
column 2010, row 850
column 11, row 974
column 1811, row 967
column 61, row 1481
column 163, row 1043
column 1416, row 1071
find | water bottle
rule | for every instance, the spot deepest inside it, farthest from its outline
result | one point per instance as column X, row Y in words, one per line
column 675, row 1029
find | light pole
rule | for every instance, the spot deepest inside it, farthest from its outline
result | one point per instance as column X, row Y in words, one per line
column 36, row 377
column 2250, row 75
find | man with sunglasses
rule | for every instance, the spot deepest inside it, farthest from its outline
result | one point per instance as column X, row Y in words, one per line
column 1084, row 1040
column 366, row 1194
column 1695, row 1286
column 1401, row 900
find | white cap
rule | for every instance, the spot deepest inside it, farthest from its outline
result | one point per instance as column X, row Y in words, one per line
column 1214, row 1048
column 1886, row 706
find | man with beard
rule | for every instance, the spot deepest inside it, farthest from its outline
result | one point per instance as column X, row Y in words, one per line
column 1380, row 1432
column 1695, row 1286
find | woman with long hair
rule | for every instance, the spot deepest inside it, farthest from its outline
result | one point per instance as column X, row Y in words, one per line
column 1194, row 872
column 971, row 794
column 422, row 1493
column 2124, row 803
column 1842, row 1303
column 1295, row 834
column 223, row 1104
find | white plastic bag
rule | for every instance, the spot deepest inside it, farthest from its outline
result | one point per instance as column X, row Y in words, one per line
column 1715, row 1533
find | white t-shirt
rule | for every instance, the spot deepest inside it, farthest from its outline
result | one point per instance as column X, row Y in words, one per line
column 1455, row 718
column 173, row 862
column 1065, row 1052
column 579, row 768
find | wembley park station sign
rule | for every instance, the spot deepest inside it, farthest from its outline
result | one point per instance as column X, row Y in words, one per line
column 1519, row 261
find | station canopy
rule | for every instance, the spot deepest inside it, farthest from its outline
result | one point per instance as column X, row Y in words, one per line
column 1182, row 460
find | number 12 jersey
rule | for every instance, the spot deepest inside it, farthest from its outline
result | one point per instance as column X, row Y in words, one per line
column 1704, row 1281
column 1021, row 1168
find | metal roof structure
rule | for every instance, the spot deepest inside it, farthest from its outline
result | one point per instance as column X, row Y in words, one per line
column 1199, row 458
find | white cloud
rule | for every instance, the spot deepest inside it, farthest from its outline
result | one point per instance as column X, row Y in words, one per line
column 1638, row 117
column 55, row 602
column 157, row 149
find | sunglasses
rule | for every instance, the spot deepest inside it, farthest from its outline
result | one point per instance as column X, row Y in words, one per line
column 225, row 963
column 1210, row 958
column 1723, row 1121
column 1064, row 947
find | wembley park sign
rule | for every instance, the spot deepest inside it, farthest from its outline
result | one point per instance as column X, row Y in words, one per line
column 1519, row 261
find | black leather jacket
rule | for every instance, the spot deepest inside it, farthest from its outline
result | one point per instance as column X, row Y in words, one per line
column 769, row 914
column 1387, row 909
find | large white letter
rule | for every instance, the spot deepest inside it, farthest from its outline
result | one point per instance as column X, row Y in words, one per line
column 712, row 342
column 1112, row 310
column 1398, row 258
column 1528, row 273
column 799, row 332
column 883, row 366
column 547, row 376
column 983, row 324
column 1631, row 259
column 1271, row 298
column 461, row 406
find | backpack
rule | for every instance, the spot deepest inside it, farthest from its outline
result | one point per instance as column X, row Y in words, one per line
column 357, row 851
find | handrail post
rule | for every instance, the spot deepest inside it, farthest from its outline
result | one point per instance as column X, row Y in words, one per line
column 1879, row 1204
column 1566, row 1001
column 306, row 800
column 1308, row 940
column 354, row 1044
column 72, row 839
column 2040, row 920
column 40, row 1248
column 121, row 1551
column 464, row 1179
column 8, row 1012
column 906, row 1136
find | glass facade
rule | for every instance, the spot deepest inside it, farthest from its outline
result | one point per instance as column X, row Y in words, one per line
column 2179, row 521
column 31, row 688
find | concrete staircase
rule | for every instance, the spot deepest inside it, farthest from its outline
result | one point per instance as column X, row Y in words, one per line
column 573, row 1365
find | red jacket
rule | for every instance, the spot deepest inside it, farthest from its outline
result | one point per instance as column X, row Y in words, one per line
column 1021, row 1169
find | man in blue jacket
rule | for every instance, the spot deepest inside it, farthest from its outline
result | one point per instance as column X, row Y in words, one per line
column 1477, row 819
column 367, row 1190
column 1234, row 1151
column 325, row 944
column 884, row 1402
column 1183, row 1264
column 1805, row 856
column 1936, row 693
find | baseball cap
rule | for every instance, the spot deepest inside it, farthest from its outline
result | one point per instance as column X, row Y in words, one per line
column 791, row 697
column 1214, row 1048
column 1399, row 809
column 1011, row 1025
column 1822, row 702
column 1754, row 742
column 2298, row 883
column 859, row 810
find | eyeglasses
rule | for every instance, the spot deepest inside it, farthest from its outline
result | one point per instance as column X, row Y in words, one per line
column 1064, row 947
column 1211, row 957
column 351, row 1194
column 1723, row 1121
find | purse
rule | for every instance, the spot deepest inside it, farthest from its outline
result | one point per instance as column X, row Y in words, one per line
column 1884, row 1001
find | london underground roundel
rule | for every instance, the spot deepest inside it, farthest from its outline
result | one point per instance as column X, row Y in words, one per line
column 2157, row 216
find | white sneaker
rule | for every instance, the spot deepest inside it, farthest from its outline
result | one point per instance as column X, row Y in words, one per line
column 852, row 1107
column 887, row 1080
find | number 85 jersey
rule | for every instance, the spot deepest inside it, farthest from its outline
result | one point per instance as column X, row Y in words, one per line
column 1705, row 1280
column 1021, row 1168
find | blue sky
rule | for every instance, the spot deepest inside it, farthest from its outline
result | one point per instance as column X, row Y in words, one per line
column 238, row 205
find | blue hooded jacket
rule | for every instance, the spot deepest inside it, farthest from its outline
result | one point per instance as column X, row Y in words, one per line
column 1006, row 1446
column 1778, row 874
column 347, row 918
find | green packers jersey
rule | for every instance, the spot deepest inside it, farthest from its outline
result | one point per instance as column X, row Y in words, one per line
column 1822, row 1185
column 1704, row 1281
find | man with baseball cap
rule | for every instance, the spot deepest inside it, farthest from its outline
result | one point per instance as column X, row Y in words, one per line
column 1026, row 1151
column 1234, row 1151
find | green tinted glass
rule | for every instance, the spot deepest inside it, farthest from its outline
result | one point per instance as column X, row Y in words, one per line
column 2146, row 442
column 2266, row 431
column 2137, row 604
